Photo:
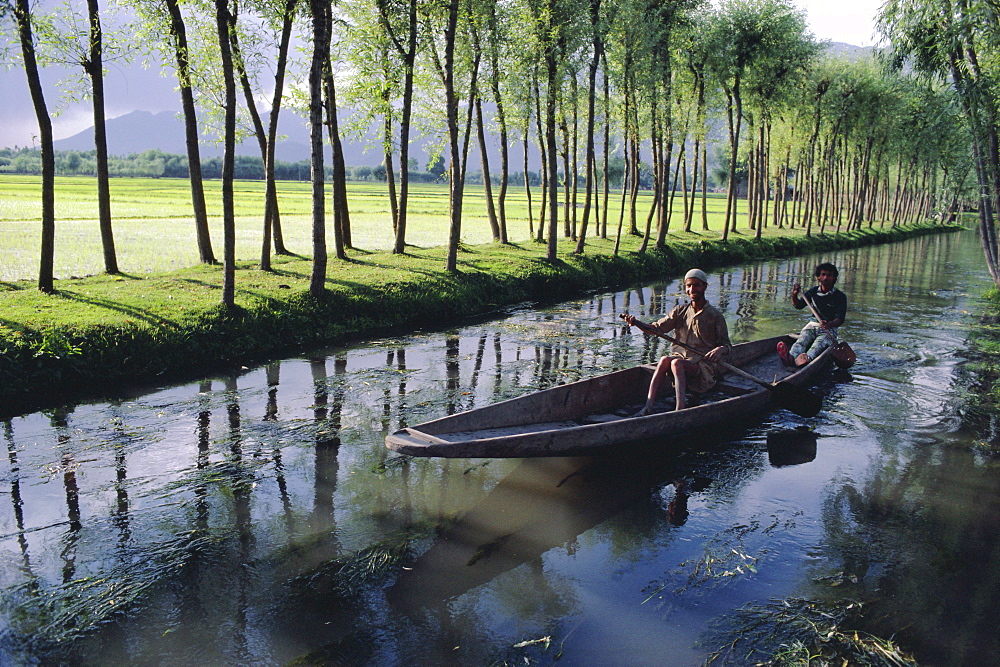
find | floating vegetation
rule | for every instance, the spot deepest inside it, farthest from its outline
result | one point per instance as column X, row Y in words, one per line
column 733, row 553
column 391, row 463
column 347, row 575
column 797, row 631
column 51, row 618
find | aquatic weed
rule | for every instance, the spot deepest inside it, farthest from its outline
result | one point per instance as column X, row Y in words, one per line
column 798, row 631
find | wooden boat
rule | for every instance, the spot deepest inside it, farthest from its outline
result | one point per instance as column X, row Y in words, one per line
column 590, row 415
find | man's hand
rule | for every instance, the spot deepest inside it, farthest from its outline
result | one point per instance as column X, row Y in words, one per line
column 633, row 322
column 716, row 353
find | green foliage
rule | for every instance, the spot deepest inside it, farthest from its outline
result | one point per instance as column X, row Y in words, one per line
column 983, row 400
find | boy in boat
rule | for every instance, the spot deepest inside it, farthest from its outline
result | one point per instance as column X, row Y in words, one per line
column 697, row 324
column 830, row 303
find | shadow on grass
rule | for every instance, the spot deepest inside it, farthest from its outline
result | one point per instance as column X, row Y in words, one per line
column 17, row 326
column 143, row 314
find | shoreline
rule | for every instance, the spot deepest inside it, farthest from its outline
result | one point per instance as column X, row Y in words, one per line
column 109, row 336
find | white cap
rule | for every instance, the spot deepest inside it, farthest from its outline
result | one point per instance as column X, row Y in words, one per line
column 696, row 273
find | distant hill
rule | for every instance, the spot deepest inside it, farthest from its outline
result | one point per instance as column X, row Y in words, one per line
column 140, row 131
column 849, row 51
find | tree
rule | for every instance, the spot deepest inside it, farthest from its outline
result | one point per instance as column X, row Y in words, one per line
column 67, row 42
column 223, row 22
column 958, row 40
column 746, row 36
column 157, row 16
column 318, row 62
column 278, row 15
column 94, row 66
column 23, row 18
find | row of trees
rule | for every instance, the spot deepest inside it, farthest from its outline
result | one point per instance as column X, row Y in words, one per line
column 158, row 164
column 155, row 163
column 582, row 80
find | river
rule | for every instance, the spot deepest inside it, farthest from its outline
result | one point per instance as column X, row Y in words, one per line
column 258, row 518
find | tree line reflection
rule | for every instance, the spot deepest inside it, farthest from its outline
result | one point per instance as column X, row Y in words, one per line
column 276, row 464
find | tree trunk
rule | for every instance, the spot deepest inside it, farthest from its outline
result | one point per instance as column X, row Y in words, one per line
column 527, row 179
column 95, row 68
column 590, row 160
column 491, row 211
column 320, row 52
column 495, row 66
column 456, row 184
column 272, row 215
column 22, row 14
column 179, row 34
column 340, row 230
column 341, row 212
column 551, row 69
column 222, row 22
column 407, row 53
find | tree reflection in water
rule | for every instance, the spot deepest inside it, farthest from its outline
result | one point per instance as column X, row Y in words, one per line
column 257, row 517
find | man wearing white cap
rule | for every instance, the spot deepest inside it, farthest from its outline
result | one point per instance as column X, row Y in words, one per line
column 697, row 324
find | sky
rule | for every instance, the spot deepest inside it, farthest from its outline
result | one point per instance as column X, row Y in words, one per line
column 134, row 88
column 850, row 21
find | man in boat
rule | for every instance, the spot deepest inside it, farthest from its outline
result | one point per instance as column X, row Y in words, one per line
column 831, row 305
column 697, row 324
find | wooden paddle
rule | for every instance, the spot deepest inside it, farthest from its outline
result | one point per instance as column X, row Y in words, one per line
column 843, row 355
column 796, row 399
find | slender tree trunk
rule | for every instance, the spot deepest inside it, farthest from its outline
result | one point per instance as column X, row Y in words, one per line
column 575, row 157
column 495, row 73
column 223, row 22
column 341, row 212
column 491, row 211
column 457, row 184
column 595, row 7
column 544, row 153
column 564, row 128
column 22, row 15
column 552, row 74
column 341, row 229
column 390, row 177
column 272, row 214
column 258, row 125
column 95, row 69
column 320, row 54
column 606, row 186
column 527, row 181
column 179, row 33
column 407, row 53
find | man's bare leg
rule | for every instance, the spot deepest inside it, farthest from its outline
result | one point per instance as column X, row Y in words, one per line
column 659, row 375
column 680, row 369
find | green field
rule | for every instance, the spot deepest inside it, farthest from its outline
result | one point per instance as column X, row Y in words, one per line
column 154, row 228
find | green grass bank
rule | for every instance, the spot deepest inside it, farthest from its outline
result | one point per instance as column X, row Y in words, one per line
column 103, row 336
column 983, row 406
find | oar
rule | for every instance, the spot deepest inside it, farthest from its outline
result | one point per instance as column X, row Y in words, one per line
column 800, row 401
column 843, row 355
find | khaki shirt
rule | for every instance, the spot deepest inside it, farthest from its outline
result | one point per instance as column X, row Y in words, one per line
column 703, row 330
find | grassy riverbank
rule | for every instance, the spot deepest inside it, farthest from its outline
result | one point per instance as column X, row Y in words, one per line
column 103, row 334
column 984, row 404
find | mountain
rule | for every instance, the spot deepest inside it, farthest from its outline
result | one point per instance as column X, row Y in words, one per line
column 849, row 51
column 140, row 131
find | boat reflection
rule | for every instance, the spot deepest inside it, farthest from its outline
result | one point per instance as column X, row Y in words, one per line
column 543, row 504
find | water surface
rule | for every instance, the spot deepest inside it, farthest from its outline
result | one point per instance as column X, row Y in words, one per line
column 258, row 518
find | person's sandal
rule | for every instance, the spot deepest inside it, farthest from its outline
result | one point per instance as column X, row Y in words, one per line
column 786, row 358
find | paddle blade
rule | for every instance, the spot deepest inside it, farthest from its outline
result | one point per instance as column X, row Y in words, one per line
column 795, row 399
